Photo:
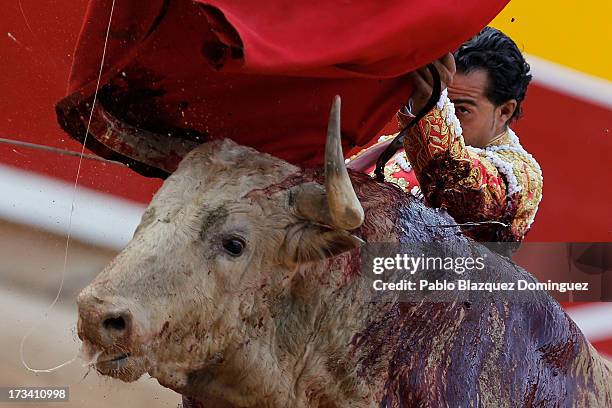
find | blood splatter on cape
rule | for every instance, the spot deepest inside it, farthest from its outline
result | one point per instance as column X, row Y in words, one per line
column 179, row 72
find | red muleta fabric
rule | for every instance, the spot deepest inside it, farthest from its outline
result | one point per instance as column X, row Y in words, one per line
column 262, row 74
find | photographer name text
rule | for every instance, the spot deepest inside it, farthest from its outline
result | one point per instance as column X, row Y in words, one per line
column 468, row 285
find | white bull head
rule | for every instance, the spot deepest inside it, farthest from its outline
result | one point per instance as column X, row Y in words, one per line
column 195, row 293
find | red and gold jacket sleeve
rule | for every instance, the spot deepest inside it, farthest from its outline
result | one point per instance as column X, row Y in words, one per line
column 493, row 192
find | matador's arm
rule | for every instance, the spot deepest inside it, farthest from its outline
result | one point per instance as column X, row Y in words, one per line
column 494, row 190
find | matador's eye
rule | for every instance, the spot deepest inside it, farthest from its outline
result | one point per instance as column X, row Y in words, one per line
column 234, row 245
column 462, row 110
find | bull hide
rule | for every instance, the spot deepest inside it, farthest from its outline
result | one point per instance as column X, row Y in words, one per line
column 233, row 295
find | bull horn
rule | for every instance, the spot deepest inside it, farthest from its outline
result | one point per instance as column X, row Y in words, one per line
column 344, row 206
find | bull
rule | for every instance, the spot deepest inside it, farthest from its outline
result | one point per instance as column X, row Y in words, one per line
column 241, row 288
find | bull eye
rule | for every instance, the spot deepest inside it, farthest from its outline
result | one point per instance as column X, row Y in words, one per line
column 234, row 245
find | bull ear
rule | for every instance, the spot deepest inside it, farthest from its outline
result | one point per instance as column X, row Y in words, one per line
column 307, row 242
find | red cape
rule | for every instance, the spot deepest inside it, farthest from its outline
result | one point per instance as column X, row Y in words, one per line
column 263, row 76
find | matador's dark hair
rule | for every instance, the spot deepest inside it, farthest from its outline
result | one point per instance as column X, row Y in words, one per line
column 509, row 73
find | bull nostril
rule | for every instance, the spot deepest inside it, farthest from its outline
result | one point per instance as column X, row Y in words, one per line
column 115, row 323
column 105, row 318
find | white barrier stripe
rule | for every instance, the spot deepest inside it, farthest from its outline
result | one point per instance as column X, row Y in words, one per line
column 44, row 202
column 593, row 319
column 571, row 82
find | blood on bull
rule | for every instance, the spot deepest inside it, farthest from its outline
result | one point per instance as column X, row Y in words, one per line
column 241, row 288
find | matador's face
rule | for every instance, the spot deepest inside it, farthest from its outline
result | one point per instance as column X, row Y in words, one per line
column 481, row 120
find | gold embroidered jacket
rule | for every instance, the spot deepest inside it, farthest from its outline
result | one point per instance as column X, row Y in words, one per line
column 493, row 192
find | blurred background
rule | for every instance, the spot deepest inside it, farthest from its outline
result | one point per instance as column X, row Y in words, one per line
column 566, row 126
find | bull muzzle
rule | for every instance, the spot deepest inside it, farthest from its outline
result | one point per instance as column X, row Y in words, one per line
column 106, row 323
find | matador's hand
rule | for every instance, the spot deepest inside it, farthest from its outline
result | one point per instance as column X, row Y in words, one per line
column 423, row 81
